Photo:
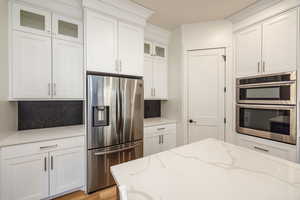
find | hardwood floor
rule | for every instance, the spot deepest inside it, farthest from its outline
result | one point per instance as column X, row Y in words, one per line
column 107, row 194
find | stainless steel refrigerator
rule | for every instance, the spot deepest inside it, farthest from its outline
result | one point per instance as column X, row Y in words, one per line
column 115, row 113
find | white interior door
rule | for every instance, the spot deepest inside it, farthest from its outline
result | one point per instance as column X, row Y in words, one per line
column 206, row 81
column 131, row 41
column 67, row 70
column 280, row 43
column 66, row 170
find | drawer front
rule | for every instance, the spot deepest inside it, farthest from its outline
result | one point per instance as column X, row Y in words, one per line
column 159, row 130
column 266, row 149
column 41, row 147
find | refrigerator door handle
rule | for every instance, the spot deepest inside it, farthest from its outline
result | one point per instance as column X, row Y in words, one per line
column 114, row 151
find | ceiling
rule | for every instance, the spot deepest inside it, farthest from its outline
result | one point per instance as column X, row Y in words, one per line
column 171, row 13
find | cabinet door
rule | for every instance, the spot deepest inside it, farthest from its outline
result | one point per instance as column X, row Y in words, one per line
column 160, row 51
column 131, row 40
column 148, row 49
column 31, row 20
column 67, row 29
column 66, row 170
column 101, row 43
column 67, row 70
column 148, row 78
column 157, row 144
column 148, row 146
column 31, row 66
column 280, row 43
column 248, row 46
column 26, row 178
column 160, row 79
column 169, row 141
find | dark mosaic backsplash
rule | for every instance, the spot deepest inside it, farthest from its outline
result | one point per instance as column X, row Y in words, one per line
column 46, row 114
column 152, row 108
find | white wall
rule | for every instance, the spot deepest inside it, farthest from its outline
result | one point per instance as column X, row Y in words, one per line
column 172, row 109
column 8, row 111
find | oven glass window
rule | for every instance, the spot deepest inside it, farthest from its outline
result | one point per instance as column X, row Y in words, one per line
column 265, row 93
column 275, row 121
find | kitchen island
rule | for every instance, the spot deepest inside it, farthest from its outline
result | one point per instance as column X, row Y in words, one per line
column 209, row 170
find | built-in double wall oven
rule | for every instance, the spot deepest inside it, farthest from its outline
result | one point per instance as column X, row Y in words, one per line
column 266, row 106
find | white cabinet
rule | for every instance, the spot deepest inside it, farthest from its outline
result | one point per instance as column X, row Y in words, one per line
column 155, row 71
column 130, row 44
column 31, row 66
column 280, row 43
column 46, row 62
column 31, row 20
column 113, row 46
column 159, row 138
column 101, row 43
column 41, row 170
column 269, row 47
column 26, row 177
column 67, row 70
column 248, row 51
column 66, row 170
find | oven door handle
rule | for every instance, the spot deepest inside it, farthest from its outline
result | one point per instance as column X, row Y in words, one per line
column 281, row 83
column 279, row 107
column 114, row 151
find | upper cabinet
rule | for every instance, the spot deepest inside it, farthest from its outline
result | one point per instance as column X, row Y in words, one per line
column 269, row 47
column 46, row 61
column 114, row 36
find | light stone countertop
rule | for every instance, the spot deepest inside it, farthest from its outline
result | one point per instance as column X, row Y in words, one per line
column 39, row 135
column 209, row 170
column 157, row 121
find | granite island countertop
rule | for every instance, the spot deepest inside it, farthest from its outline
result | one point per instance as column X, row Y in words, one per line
column 210, row 170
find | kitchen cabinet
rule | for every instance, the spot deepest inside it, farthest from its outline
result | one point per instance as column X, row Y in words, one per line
column 67, row 70
column 159, row 138
column 31, row 20
column 45, row 65
column 269, row 47
column 31, row 66
column 113, row 46
column 51, row 168
column 155, row 72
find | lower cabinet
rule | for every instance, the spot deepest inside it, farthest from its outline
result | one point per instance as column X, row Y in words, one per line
column 52, row 169
column 159, row 138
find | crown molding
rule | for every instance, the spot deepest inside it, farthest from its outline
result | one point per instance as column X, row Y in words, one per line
column 158, row 34
column 251, row 10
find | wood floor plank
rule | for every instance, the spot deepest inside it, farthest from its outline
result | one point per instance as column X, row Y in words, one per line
column 106, row 194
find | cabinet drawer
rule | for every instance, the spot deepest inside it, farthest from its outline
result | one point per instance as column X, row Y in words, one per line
column 270, row 150
column 159, row 130
column 41, row 147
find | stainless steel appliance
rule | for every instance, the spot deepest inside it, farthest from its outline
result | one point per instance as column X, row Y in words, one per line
column 268, row 89
column 266, row 107
column 115, row 113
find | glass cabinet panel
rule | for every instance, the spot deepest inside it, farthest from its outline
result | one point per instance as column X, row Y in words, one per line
column 147, row 48
column 67, row 29
column 160, row 51
column 32, row 20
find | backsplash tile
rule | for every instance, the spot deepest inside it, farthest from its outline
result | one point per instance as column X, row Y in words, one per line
column 152, row 108
column 46, row 114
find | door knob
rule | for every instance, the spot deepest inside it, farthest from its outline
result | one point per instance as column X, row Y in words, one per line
column 191, row 121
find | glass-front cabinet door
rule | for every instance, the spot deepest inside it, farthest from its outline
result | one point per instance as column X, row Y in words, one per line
column 66, row 28
column 31, row 20
column 148, row 48
column 160, row 51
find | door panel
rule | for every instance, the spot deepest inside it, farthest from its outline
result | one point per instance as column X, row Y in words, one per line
column 132, row 109
column 32, row 66
column 67, row 70
column 131, row 40
column 103, row 91
column 102, row 37
column 249, row 51
column 148, row 78
column 160, row 82
column 66, row 170
column 206, row 94
column 280, row 43
column 26, row 177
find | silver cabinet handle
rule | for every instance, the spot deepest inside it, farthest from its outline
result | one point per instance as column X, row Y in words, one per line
column 258, row 67
column 49, row 89
column 264, row 66
column 159, row 142
column 45, row 164
column 48, row 147
column 160, row 129
column 114, row 151
column 51, row 162
column 162, row 138
column 54, row 89
column 261, row 149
